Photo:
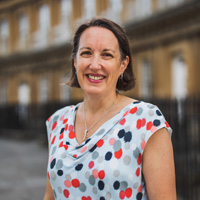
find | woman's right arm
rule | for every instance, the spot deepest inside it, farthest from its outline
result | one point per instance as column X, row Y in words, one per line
column 49, row 192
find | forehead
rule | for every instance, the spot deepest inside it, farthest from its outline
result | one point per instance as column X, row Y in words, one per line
column 98, row 37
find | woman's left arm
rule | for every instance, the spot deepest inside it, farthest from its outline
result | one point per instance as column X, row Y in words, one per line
column 158, row 167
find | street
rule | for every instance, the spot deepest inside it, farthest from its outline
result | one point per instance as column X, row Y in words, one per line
column 22, row 170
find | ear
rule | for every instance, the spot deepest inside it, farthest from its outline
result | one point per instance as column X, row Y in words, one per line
column 124, row 64
column 75, row 64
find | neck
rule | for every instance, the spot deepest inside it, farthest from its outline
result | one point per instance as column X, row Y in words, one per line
column 97, row 103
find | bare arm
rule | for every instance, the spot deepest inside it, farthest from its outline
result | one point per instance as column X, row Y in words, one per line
column 158, row 167
column 49, row 192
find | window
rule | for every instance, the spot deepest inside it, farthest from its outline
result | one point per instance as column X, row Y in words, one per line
column 23, row 94
column 3, row 94
column 89, row 8
column 43, row 90
column 115, row 10
column 4, row 36
column 44, row 19
column 23, row 31
column 146, row 79
column 179, row 77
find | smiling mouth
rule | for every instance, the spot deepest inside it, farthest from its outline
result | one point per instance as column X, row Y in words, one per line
column 96, row 77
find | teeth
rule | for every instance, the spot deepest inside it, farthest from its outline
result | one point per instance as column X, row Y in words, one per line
column 96, row 77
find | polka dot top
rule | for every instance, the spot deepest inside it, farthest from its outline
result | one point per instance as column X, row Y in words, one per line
column 108, row 165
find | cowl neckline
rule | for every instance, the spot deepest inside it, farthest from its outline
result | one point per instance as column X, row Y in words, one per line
column 76, row 150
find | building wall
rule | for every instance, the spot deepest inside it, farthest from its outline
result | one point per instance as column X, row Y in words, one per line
column 157, row 35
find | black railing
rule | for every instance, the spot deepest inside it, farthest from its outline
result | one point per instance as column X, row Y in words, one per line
column 183, row 116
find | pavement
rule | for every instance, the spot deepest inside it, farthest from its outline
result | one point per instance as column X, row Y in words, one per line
column 22, row 169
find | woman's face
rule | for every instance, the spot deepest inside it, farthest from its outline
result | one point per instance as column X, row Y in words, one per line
column 98, row 61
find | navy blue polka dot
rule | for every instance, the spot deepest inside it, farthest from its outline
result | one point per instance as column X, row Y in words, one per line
column 53, row 163
column 101, row 185
column 158, row 113
column 62, row 130
column 116, row 185
column 121, row 133
column 93, row 148
column 60, row 172
column 139, row 196
column 79, row 167
column 108, row 156
column 156, row 122
column 128, row 137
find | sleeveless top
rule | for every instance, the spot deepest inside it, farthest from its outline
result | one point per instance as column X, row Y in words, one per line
column 108, row 165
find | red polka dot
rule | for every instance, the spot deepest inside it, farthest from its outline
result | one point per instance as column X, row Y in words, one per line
column 143, row 144
column 65, row 146
column 128, row 192
column 137, row 171
column 48, row 175
column 49, row 119
column 112, row 141
column 61, row 144
column 140, row 188
column 75, row 155
column 167, row 124
column 61, row 136
column 133, row 110
column 62, row 117
column 139, row 160
column 68, row 183
column 66, row 193
column 89, row 198
column 70, row 128
column 71, row 135
column 118, row 154
column 100, row 143
column 91, row 164
column 53, row 140
column 54, row 125
column 122, row 195
column 66, row 127
column 143, row 122
column 149, row 125
column 75, row 183
column 126, row 113
column 122, row 122
column 95, row 173
column 83, row 198
column 101, row 174
column 65, row 121
column 139, row 124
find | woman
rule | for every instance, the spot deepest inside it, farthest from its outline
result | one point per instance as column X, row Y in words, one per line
column 109, row 146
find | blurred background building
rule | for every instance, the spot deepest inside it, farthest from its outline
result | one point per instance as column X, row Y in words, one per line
column 35, row 60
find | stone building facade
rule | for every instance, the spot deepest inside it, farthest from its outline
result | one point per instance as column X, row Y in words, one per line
column 35, row 46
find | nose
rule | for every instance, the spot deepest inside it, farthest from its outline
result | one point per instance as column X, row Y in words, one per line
column 95, row 63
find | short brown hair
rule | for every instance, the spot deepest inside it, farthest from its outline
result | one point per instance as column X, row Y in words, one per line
column 125, row 83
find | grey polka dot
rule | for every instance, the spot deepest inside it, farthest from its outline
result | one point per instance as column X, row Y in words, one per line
column 151, row 112
column 127, row 128
column 82, row 187
column 127, row 146
column 59, row 189
column 127, row 160
column 108, row 195
column 136, row 153
column 123, row 185
column 87, row 175
column 68, row 177
column 53, row 150
column 59, row 164
column 53, row 175
column 55, row 118
column 135, row 185
column 101, row 132
column 100, row 159
column 91, row 180
column 116, row 173
column 94, row 190
column 95, row 155
column 150, row 106
column 117, row 145
column 139, row 111
column 63, row 155
column 142, row 136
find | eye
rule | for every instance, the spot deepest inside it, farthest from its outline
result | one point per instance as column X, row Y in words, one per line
column 107, row 55
column 86, row 53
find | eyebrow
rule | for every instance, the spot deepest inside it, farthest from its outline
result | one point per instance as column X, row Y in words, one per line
column 91, row 49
